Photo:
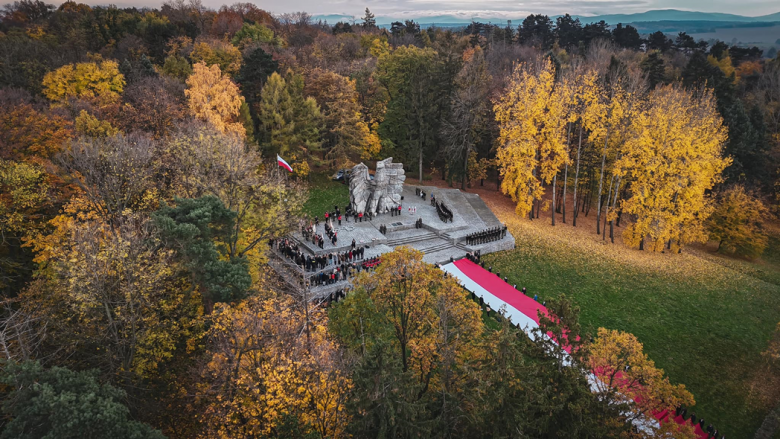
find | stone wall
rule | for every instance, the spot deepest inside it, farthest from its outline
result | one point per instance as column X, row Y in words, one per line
column 381, row 194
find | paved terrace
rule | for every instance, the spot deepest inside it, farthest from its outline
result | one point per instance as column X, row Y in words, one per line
column 439, row 241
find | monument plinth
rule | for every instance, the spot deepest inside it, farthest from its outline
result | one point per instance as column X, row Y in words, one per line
column 378, row 195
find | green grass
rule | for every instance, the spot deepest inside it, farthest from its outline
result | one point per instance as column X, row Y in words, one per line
column 325, row 193
column 702, row 320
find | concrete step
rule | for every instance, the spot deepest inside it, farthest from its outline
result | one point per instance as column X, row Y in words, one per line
column 410, row 239
column 437, row 248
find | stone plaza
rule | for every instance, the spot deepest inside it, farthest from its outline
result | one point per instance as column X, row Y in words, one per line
column 439, row 241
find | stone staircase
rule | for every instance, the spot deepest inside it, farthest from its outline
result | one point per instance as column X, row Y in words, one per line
column 443, row 245
column 424, row 236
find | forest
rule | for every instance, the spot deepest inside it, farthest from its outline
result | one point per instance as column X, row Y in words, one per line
column 139, row 192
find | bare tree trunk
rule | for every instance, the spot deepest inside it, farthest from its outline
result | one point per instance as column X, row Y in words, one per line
column 566, row 175
column 601, row 183
column 465, row 169
column 614, row 205
column 606, row 214
column 576, row 181
column 421, row 171
column 552, row 211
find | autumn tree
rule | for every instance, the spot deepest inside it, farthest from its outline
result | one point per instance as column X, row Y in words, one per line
column 737, row 223
column 90, row 126
column 415, row 332
column 114, row 173
column 673, row 157
column 347, row 136
column 606, row 117
column 268, row 363
column 626, row 375
column 219, row 53
column 153, row 105
column 469, row 111
column 214, row 98
column 98, row 80
column 113, row 296
column 29, row 134
column 204, row 162
column 26, row 202
column 532, row 117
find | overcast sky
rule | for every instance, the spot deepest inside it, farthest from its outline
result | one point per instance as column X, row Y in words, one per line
column 485, row 8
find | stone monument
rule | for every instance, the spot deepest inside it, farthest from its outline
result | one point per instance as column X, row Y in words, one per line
column 379, row 195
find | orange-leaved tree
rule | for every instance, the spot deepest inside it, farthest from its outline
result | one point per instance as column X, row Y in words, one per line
column 214, row 98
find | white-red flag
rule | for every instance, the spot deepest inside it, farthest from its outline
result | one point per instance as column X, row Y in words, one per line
column 283, row 163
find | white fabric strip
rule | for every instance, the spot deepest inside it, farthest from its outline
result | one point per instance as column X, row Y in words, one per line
column 526, row 323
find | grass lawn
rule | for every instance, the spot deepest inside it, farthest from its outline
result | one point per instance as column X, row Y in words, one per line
column 702, row 318
column 325, row 193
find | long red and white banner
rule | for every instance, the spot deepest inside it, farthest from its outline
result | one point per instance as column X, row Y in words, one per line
column 520, row 309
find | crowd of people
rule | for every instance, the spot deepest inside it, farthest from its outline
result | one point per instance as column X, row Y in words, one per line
column 342, row 272
column 485, row 236
column 290, row 249
column 420, row 193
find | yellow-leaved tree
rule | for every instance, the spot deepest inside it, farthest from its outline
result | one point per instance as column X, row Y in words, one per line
column 532, row 117
column 737, row 223
column 98, row 80
column 217, row 52
column 672, row 157
column 432, row 320
column 625, row 372
column 214, row 98
column 268, row 365
column 606, row 117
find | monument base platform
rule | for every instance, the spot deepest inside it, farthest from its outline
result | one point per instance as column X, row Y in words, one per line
column 438, row 240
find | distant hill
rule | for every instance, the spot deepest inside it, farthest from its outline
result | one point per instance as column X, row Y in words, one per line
column 663, row 16
column 677, row 15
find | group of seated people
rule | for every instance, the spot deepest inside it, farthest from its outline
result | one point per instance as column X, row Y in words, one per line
column 487, row 235
column 444, row 213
